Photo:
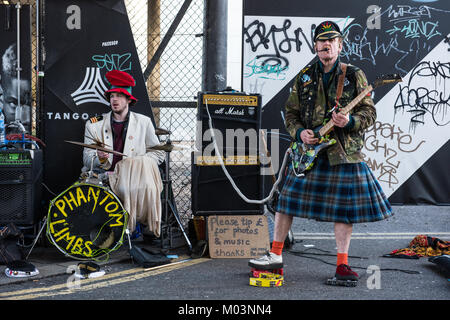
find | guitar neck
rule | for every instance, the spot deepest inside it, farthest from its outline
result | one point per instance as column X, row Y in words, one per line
column 330, row 124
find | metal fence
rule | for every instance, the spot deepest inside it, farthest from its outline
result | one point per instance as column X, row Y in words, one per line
column 175, row 79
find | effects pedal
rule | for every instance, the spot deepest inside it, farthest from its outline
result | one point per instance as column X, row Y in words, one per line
column 254, row 272
column 266, row 278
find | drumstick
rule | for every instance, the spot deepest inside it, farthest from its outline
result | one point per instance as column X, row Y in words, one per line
column 97, row 141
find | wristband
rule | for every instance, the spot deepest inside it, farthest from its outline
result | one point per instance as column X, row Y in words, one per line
column 297, row 134
column 351, row 123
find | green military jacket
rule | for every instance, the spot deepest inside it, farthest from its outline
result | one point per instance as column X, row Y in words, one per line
column 308, row 104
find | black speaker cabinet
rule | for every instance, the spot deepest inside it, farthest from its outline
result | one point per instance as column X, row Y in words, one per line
column 213, row 194
column 20, row 186
column 236, row 119
column 231, row 114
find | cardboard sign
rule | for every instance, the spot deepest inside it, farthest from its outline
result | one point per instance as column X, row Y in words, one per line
column 244, row 236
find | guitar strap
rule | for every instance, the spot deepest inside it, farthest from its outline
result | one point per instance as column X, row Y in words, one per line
column 340, row 85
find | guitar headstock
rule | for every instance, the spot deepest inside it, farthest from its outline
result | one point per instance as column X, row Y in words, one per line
column 385, row 79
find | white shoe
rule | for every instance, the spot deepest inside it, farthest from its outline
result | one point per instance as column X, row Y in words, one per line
column 267, row 262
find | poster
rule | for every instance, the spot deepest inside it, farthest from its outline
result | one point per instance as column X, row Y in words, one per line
column 15, row 71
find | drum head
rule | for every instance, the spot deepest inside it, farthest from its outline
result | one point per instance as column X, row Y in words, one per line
column 86, row 221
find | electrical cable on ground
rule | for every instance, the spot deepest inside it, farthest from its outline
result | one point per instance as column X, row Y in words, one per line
column 305, row 255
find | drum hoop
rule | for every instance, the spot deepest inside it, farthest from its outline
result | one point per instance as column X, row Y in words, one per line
column 99, row 252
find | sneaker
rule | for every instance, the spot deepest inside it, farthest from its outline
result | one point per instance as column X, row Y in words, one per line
column 267, row 262
column 344, row 272
column 20, row 269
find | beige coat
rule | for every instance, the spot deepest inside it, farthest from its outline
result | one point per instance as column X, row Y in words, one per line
column 136, row 179
column 140, row 135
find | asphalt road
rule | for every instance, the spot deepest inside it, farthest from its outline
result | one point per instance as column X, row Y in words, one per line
column 204, row 281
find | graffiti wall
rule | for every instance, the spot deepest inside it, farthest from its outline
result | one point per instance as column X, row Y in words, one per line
column 407, row 148
column 83, row 41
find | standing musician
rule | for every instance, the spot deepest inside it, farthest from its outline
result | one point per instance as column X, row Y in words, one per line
column 340, row 187
column 135, row 179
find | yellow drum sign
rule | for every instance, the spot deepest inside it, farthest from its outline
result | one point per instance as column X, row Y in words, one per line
column 86, row 221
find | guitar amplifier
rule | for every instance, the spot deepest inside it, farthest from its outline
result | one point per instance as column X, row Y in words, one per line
column 234, row 116
column 236, row 121
column 20, row 186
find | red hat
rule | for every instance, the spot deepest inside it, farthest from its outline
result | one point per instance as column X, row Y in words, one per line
column 121, row 82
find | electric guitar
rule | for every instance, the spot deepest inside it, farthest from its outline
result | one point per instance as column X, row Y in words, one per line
column 303, row 155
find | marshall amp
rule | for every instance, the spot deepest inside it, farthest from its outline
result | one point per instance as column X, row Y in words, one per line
column 20, row 186
column 236, row 122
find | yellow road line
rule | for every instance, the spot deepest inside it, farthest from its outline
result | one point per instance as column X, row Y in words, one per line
column 59, row 286
column 105, row 281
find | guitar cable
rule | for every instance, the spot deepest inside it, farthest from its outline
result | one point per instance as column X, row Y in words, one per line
column 305, row 254
column 216, row 148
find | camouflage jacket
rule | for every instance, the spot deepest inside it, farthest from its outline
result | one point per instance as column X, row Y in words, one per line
column 308, row 104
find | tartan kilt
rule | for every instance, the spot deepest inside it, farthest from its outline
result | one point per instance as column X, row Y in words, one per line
column 347, row 193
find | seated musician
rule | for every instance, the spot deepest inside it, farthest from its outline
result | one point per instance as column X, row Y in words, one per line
column 135, row 177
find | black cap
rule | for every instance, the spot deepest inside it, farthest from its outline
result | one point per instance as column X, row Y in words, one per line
column 327, row 30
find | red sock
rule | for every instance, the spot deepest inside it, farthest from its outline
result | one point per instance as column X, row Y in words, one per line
column 277, row 247
column 342, row 258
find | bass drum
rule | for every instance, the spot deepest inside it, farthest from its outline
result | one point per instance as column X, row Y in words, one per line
column 86, row 221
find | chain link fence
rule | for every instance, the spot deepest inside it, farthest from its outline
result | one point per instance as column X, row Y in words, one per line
column 174, row 81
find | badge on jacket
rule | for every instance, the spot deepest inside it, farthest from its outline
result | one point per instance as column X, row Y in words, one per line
column 96, row 119
column 306, row 79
